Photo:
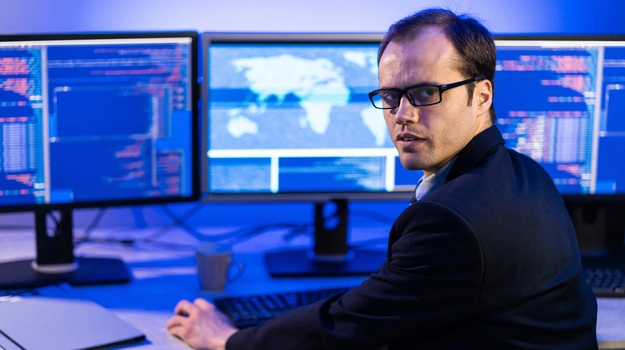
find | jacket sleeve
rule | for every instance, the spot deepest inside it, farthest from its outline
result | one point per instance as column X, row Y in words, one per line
column 431, row 277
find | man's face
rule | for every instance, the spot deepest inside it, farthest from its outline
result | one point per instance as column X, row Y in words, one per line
column 428, row 137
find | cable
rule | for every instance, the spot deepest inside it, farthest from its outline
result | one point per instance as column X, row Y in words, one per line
column 257, row 230
column 297, row 231
column 234, row 237
column 178, row 221
column 94, row 223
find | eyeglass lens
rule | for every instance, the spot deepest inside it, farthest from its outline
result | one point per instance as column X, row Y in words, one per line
column 421, row 95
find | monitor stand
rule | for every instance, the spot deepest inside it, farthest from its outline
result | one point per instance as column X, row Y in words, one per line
column 55, row 262
column 330, row 254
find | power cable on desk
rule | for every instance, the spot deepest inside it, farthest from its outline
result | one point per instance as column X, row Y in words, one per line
column 94, row 223
column 178, row 221
column 297, row 229
column 237, row 236
column 257, row 230
column 234, row 237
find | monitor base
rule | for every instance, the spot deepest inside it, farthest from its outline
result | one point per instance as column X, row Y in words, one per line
column 20, row 274
column 298, row 263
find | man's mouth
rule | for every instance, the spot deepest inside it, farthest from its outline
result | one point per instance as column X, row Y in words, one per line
column 408, row 138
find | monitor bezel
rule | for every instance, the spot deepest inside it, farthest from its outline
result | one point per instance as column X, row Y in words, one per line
column 195, row 139
column 208, row 38
column 573, row 198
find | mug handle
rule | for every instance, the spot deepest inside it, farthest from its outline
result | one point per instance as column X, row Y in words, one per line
column 240, row 268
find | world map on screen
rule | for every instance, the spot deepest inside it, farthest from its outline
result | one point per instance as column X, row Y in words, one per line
column 297, row 96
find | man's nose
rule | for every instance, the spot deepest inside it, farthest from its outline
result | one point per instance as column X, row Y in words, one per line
column 406, row 113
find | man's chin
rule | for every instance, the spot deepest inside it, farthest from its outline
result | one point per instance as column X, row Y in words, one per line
column 411, row 164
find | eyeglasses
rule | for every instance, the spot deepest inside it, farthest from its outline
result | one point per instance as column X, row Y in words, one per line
column 418, row 95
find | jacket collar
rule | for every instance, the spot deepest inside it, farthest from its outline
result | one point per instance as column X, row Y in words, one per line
column 474, row 151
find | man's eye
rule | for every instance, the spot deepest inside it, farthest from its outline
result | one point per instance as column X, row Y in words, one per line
column 424, row 92
column 389, row 96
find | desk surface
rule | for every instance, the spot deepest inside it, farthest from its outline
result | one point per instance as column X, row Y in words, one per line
column 165, row 273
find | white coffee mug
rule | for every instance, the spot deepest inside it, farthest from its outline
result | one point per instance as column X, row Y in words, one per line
column 215, row 267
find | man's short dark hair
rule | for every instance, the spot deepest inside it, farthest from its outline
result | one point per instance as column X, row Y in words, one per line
column 471, row 39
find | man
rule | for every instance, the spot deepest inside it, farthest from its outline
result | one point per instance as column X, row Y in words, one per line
column 485, row 258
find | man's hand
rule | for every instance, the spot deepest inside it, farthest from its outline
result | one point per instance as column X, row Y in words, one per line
column 201, row 325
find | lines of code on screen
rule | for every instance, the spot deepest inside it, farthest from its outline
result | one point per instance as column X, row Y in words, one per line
column 93, row 120
column 551, row 105
column 21, row 153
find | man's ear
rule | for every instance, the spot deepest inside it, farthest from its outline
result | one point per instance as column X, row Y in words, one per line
column 483, row 96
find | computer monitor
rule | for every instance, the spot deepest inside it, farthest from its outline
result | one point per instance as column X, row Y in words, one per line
column 93, row 120
column 289, row 119
column 561, row 100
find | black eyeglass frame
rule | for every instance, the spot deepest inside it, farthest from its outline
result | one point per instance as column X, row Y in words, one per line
column 441, row 89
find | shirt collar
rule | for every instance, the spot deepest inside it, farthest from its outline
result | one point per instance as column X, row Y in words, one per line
column 427, row 185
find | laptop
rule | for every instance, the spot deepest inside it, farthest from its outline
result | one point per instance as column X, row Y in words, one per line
column 53, row 318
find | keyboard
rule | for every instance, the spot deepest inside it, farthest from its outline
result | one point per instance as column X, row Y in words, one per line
column 251, row 310
column 607, row 282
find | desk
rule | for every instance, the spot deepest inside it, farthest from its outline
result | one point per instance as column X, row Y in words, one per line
column 162, row 276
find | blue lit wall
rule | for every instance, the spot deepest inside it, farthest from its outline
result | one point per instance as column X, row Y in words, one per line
column 501, row 16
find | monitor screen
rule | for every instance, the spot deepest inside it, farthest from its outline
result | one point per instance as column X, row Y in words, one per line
column 95, row 120
column 289, row 118
column 561, row 101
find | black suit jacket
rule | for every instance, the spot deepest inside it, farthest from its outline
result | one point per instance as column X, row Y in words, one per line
column 488, row 261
